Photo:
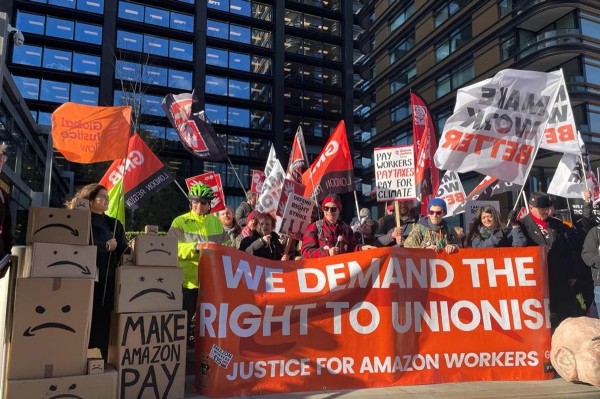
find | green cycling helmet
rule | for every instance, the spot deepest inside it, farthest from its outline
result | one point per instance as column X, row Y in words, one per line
column 201, row 191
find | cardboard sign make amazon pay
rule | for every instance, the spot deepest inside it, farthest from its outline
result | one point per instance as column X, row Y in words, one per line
column 149, row 351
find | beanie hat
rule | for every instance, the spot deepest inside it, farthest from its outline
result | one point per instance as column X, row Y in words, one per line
column 540, row 200
column 437, row 202
column 332, row 198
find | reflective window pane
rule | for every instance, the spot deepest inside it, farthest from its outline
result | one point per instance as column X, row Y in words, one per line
column 31, row 23
column 157, row 16
column 239, row 89
column 216, row 57
column 222, row 5
column 216, row 85
column 95, row 6
column 261, row 38
column 57, row 59
column 27, row 55
column 129, row 41
column 181, row 50
column 239, row 61
column 240, row 7
column 182, row 22
column 151, row 105
column 86, row 64
column 29, row 87
column 261, row 11
column 239, row 34
column 59, row 28
column 57, row 92
column 130, row 11
column 261, row 120
column 44, row 118
column 155, row 75
column 261, row 65
column 261, row 92
column 217, row 29
column 156, row 45
column 130, row 71
column 180, row 79
column 62, row 3
column 81, row 94
column 216, row 114
column 238, row 117
column 88, row 33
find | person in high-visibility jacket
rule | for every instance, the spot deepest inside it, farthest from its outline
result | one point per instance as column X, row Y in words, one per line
column 191, row 229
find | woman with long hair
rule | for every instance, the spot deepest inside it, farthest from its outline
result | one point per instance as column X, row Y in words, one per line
column 110, row 241
column 488, row 231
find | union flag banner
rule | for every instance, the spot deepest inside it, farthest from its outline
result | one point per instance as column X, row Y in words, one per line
column 498, row 124
column 560, row 134
column 144, row 173
column 427, row 175
column 88, row 134
column 378, row 318
column 213, row 180
column 272, row 186
column 298, row 160
column 451, row 190
column 332, row 172
column 195, row 131
column 258, row 178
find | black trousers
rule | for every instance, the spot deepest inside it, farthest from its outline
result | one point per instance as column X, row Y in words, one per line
column 190, row 298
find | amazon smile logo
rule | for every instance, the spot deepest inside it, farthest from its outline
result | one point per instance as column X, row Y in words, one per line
column 170, row 295
column 71, row 230
column 30, row 331
column 84, row 269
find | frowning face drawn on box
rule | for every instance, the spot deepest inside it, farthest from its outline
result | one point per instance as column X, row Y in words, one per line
column 157, row 246
column 68, row 258
column 56, row 391
column 51, row 318
column 154, row 286
column 56, row 222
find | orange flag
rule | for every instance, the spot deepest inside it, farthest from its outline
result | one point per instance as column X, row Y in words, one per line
column 87, row 134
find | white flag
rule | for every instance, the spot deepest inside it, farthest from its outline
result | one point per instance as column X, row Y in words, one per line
column 272, row 186
column 568, row 180
column 560, row 134
column 498, row 124
column 451, row 190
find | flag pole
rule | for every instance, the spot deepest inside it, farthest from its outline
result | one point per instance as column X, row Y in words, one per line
column 182, row 190
column 583, row 165
column 238, row 177
column 362, row 236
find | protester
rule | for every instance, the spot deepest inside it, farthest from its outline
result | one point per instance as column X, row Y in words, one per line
column 191, row 229
column 264, row 242
column 231, row 227
column 488, row 231
column 364, row 227
column 591, row 256
column 388, row 234
column 542, row 230
column 251, row 225
column 110, row 241
column 330, row 236
column 432, row 231
column 242, row 211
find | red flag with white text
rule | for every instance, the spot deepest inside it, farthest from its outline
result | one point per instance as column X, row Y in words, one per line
column 213, row 180
column 298, row 159
column 427, row 175
column 332, row 172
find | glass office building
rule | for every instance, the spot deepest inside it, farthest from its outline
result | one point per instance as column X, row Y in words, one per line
column 258, row 68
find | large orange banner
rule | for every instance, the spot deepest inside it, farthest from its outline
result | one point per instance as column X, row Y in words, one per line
column 377, row 318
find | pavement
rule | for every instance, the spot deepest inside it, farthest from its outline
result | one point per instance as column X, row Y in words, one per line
column 556, row 388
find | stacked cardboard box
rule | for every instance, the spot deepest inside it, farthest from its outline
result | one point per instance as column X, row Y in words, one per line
column 52, row 310
column 148, row 328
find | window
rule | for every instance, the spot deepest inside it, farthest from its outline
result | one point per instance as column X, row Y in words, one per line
column 261, row 120
column 238, row 117
column 84, row 94
column 261, row 38
column 180, row 79
column 27, row 55
column 57, row 59
column 217, row 29
column 398, row 20
column 44, row 118
column 222, row 5
column 31, row 23
column 29, row 87
column 59, row 28
column 156, row 16
column 216, row 57
column 131, row 11
column 216, row 85
column 151, row 105
column 261, row 11
column 129, row 71
column 156, row 45
column 239, row 89
column 261, row 65
column 181, row 50
column 155, row 75
column 154, row 131
column 508, row 47
column 402, row 48
column 182, row 22
column 447, row 10
column 400, row 112
column 239, row 34
column 216, row 114
column 403, row 78
column 455, row 79
column 88, row 33
column 240, row 7
column 62, row 3
column 129, row 41
column 260, row 92
column 57, row 92
column 239, row 61
column 86, row 64
column 95, row 6
column 457, row 39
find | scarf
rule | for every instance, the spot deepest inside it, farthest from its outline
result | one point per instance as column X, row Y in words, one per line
column 484, row 232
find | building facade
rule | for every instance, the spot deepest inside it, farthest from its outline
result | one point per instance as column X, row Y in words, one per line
column 259, row 70
column 435, row 47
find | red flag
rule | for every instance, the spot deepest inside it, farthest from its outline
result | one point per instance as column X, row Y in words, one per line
column 213, row 180
column 427, row 175
column 298, row 159
column 88, row 134
column 332, row 172
column 144, row 173
column 258, row 177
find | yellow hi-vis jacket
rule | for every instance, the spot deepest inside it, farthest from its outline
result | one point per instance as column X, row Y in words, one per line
column 190, row 229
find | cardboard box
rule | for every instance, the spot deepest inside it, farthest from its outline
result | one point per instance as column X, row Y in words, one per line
column 148, row 289
column 149, row 350
column 59, row 260
column 51, row 328
column 81, row 204
column 95, row 366
column 127, row 260
column 96, row 386
column 153, row 250
column 150, row 229
column 58, row 226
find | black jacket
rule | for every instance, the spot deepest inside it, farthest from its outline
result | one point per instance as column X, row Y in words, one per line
column 383, row 235
column 257, row 247
column 591, row 253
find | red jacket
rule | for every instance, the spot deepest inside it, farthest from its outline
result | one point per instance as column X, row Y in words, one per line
column 317, row 241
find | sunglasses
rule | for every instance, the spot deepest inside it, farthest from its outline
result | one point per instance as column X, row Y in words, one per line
column 438, row 213
column 330, row 209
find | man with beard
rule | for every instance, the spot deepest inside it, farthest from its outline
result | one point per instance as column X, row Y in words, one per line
column 387, row 234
